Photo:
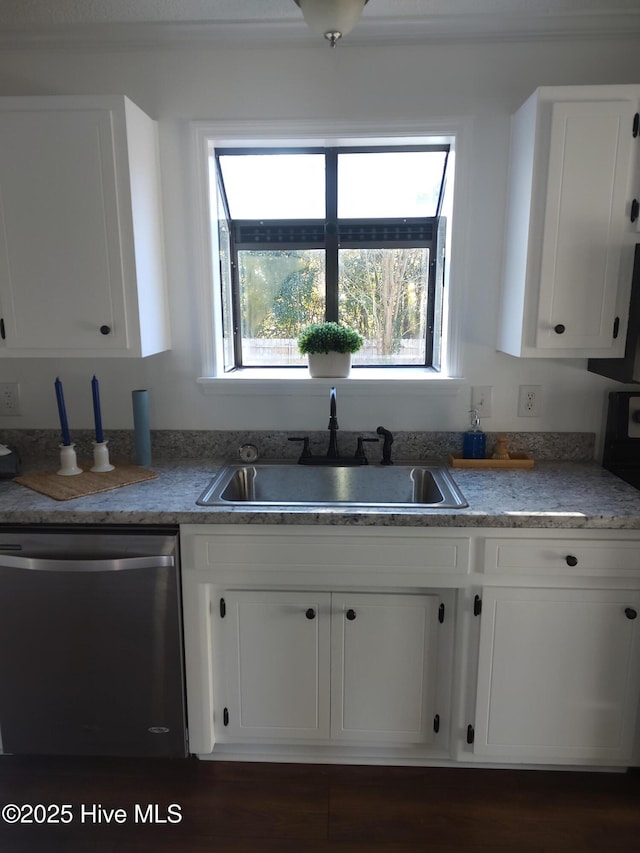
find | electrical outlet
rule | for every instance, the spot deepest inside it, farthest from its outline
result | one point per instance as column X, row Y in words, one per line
column 481, row 399
column 530, row 401
column 9, row 398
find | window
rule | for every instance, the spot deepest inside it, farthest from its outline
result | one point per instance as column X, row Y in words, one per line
column 355, row 235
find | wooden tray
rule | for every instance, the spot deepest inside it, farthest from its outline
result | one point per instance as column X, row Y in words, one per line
column 515, row 460
column 88, row 483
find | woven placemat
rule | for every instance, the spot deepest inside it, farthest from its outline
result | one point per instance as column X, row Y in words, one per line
column 88, row 483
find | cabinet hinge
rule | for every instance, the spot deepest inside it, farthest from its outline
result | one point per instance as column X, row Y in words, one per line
column 471, row 734
column 223, row 608
column 477, row 606
column 616, row 327
column 225, row 717
column 441, row 613
column 436, row 723
column 636, row 125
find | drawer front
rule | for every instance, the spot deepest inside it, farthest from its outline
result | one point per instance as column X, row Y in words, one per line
column 327, row 554
column 568, row 556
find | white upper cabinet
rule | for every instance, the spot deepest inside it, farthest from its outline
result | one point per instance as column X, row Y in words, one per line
column 569, row 233
column 81, row 242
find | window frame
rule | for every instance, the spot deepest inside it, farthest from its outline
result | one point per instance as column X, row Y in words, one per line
column 208, row 134
column 252, row 234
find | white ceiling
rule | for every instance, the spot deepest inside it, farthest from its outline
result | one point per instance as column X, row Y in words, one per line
column 270, row 21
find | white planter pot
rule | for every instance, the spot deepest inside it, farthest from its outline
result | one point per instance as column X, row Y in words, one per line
column 329, row 364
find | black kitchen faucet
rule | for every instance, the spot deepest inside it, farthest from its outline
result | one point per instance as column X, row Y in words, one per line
column 332, row 456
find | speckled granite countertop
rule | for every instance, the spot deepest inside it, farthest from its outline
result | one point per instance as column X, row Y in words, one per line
column 552, row 495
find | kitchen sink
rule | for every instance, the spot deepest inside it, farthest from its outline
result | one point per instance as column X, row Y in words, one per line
column 288, row 484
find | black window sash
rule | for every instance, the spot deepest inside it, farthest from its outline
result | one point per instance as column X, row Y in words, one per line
column 333, row 234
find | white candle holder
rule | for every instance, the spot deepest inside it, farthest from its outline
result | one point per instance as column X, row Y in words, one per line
column 68, row 461
column 101, row 458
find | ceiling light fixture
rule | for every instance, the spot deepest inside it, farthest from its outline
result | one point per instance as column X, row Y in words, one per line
column 332, row 19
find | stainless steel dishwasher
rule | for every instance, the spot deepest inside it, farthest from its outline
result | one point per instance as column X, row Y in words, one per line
column 91, row 659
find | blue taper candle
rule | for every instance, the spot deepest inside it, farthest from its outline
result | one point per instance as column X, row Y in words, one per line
column 62, row 411
column 97, row 414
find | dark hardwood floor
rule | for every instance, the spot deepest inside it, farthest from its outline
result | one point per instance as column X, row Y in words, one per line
column 260, row 808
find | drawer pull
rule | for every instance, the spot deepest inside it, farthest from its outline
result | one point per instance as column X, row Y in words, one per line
column 571, row 560
column 630, row 612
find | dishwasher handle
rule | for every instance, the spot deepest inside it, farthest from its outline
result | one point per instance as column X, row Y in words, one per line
column 108, row 564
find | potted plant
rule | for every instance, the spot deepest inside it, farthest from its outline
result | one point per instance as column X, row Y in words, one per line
column 328, row 347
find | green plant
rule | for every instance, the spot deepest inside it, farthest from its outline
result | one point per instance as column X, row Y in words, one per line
column 328, row 337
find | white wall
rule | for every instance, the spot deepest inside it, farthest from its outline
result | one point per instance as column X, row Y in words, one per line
column 483, row 81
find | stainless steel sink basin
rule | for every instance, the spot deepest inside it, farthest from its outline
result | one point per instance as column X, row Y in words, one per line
column 288, row 484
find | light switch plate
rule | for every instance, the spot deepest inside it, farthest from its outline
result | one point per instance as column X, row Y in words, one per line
column 482, row 399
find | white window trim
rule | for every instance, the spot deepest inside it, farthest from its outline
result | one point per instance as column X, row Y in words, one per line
column 325, row 134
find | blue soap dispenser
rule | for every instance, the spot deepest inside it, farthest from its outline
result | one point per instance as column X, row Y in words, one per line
column 474, row 442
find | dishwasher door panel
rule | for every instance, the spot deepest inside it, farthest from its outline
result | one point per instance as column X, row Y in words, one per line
column 91, row 658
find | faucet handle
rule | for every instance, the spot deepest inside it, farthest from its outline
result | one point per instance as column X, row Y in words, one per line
column 386, row 449
column 306, row 453
column 360, row 454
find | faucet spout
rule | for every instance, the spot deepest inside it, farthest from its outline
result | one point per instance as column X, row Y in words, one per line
column 332, row 452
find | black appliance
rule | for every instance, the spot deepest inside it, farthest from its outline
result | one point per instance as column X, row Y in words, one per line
column 622, row 437
column 626, row 369
column 91, row 642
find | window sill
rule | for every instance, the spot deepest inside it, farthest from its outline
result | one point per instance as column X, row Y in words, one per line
column 365, row 381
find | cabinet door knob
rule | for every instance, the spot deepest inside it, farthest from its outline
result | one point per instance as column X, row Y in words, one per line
column 571, row 560
column 630, row 612
column 105, row 330
column 311, row 613
column 351, row 615
column 559, row 329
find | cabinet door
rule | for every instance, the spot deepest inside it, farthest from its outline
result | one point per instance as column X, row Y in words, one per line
column 568, row 251
column 383, row 652
column 81, row 256
column 61, row 275
column 558, row 675
column 585, row 223
column 276, row 666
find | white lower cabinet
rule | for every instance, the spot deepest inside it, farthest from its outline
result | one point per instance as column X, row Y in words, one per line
column 421, row 646
column 558, row 675
column 318, row 666
column 273, row 649
column 384, row 667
